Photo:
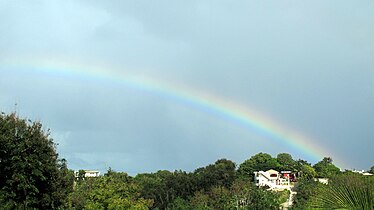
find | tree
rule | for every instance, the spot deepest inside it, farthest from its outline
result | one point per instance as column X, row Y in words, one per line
column 258, row 162
column 307, row 172
column 114, row 190
column 325, row 168
column 66, row 183
column 346, row 191
column 306, row 189
column 371, row 170
column 81, row 176
column 31, row 174
column 220, row 198
column 304, row 169
column 221, row 173
column 79, row 197
column 200, row 201
column 245, row 195
column 180, row 204
column 286, row 162
column 165, row 186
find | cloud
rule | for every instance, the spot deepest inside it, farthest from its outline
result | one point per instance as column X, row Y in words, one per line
column 307, row 65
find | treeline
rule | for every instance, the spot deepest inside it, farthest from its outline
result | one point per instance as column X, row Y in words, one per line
column 216, row 186
column 221, row 185
column 33, row 177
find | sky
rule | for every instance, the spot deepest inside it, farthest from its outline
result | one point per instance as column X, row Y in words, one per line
column 140, row 86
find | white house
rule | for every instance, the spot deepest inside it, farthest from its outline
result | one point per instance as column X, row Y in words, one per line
column 322, row 180
column 88, row 173
column 272, row 179
column 362, row 172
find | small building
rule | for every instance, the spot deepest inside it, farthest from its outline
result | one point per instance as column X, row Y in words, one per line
column 272, row 179
column 362, row 172
column 322, row 180
column 87, row 173
column 289, row 175
column 367, row 174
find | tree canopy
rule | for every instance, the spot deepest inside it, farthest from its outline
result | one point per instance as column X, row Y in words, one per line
column 114, row 190
column 371, row 170
column 286, row 162
column 258, row 162
column 325, row 168
column 31, row 174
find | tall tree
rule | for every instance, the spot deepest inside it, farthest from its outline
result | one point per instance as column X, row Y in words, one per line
column 286, row 162
column 221, row 173
column 325, row 168
column 31, row 175
column 258, row 162
column 307, row 172
column 305, row 169
column 165, row 186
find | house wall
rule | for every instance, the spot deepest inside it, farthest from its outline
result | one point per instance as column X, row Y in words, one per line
column 264, row 179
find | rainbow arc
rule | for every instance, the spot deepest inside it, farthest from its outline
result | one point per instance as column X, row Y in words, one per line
column 234, row 113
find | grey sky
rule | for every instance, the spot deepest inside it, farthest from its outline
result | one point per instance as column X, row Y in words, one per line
column 306, row 64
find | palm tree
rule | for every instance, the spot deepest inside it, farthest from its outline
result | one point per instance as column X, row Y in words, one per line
column 350, row 191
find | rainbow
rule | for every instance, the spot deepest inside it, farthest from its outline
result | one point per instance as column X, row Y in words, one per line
column 235, row 113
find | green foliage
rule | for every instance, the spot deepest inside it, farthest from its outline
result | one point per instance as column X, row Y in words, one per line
column 264, row 199
column 306, row 189
column 245, row 195
column 113, row 191
column 241, row 195
column 283, row 195
column 212, row 187
column 258, row 162
column 31, row 175
column 371, row 170
column 66, row 183
column 79, row 197
column 164, row 186
column 153, row 187
column 221, row 173
column 286, row 162
column 179, row 204
column 200, row 200
column 219, row 198
column 348, row 191
column 325, row 168
column 81, row 176
column 307, row 172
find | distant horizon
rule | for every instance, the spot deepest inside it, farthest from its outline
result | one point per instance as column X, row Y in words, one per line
column 102, row 172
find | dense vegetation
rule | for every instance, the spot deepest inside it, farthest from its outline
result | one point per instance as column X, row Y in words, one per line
column 33, row 177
